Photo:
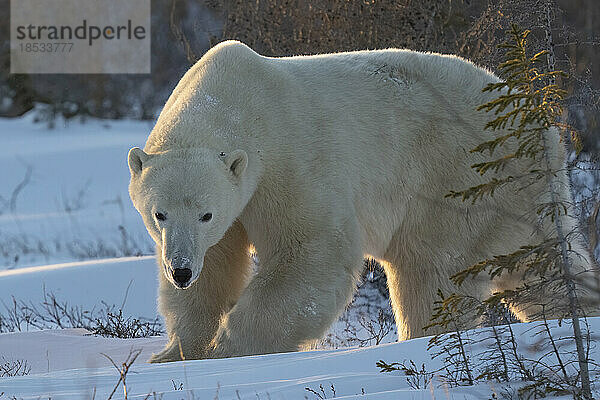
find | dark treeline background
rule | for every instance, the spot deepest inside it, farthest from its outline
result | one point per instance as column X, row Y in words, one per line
column 110, row 96
column 182, row 30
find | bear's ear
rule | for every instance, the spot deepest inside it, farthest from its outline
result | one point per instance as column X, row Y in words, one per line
column 136, row 160
column 236, row 162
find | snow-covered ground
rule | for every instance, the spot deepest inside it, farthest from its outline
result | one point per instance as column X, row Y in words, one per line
column 67, row 228
column 278, row 376
column 63, row 192
column 67, row 364
column 128, row 282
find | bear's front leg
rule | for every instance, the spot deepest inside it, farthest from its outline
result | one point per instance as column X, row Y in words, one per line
column 302, row 287
column 190, row 320
column 192, row 315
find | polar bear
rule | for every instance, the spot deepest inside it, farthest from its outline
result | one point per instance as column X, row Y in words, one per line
column 317, row 161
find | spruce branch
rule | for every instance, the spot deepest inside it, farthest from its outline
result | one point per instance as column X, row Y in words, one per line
column 527, row 112
column 539, row 258
column 478, row 192
column 566, row 261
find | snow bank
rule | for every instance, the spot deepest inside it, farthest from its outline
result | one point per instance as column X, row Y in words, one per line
column 129, row 283
column 352, row 372
column 63, row 192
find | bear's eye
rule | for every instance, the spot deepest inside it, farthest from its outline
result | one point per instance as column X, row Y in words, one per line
column 160, row 216
column 206, row 217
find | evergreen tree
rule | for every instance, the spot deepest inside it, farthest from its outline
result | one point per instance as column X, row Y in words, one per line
column 527, row 111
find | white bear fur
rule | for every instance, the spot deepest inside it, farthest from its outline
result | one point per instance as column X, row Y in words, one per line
column 348, row 155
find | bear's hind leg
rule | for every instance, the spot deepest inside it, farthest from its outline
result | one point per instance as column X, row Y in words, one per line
column 553, row 295
column 414, row 277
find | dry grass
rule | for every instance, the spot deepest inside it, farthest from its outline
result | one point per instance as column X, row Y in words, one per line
column 53, row 313
column 13, row 367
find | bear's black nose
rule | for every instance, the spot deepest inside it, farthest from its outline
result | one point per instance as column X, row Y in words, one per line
column 182, row 275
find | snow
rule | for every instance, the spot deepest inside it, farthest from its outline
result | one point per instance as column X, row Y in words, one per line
column 280, row 375
column 350, row 370
column 130, row 283
column 69, row 229
column 67, row 364
column 75, row 205
column 66, row 349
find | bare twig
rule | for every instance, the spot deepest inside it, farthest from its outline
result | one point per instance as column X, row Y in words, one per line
column 13, row 197
column 14, row 367
column 180, row 35
column 123, row 370
column 593, row 227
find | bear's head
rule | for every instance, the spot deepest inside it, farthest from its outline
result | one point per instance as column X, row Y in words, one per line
column 188, row 199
